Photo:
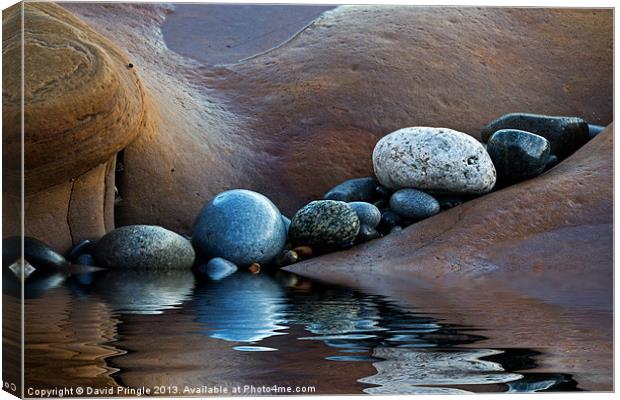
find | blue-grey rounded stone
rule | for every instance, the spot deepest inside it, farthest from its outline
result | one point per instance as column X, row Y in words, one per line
column 218, row 268
column 324, row 224
column 143, row 247
column 82, row 247
column 367, row 233
column 518, row 155
column 594, row 130
column 287, row 223
column 552, row 161
column 367, row 213
column 358, row 189
column 414, row 204
column 85, row 259
column 241, row 226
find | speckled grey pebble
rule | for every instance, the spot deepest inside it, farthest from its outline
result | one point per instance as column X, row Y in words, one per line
column 437, row 159
column 414, row 204
column 324, row 224
column 358, row 189
column 218, row 268
column 143, row 247
column 241, row 226
column 367, row 213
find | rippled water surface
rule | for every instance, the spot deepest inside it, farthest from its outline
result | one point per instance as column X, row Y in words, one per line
column 135, row 329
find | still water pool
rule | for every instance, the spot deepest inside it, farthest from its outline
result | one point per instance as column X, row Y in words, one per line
column 171, row 330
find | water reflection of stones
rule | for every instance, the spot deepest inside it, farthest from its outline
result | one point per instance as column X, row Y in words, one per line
column 144, row 292
column 402, row 370
column 241, row 308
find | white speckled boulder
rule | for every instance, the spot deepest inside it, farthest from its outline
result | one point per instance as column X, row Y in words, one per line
column 440, row 160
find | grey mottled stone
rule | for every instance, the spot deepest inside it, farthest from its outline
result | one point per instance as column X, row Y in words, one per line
column 518, row 155
column 143, row 247
column 565, row 134
column 324, row 224
column 368, row 213
column 241, row 226
column 414, row 204
column 358, row 189
column 437, row 159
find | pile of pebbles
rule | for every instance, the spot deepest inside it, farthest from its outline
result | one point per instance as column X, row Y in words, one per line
column 419, row 172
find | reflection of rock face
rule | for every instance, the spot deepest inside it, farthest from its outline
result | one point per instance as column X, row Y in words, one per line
column 241, row 308
column 144, row 292
column 403, row 369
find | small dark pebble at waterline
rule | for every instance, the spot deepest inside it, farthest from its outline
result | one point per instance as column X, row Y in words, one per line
column 81, row 247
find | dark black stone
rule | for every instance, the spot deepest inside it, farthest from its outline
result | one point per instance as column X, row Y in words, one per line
column 389, row 219
column 42, row 257
column 448, row 202
column 517, row 155
column 552, row 161
column 565, row 134
column 366, row 234
column 82, row 247
column 85, row 259
column 359, row 189
column 383, row 192
column 594, row 130
column 413, row 204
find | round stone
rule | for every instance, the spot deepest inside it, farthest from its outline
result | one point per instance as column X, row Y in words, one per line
column 366, row 234
column 325, row 224
column 359, row 189
column 552, row 161
column 389, row 219
column 437, row 159
column 594, row 130
column 143, row 247
column 39, row 255
column 518, row 155
column 241, row 226
column 367, row 213
column 218, row 268
column 82, row 247
column 565, row 134
column 414, row 204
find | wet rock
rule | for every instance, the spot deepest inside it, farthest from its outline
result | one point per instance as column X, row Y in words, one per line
column 241, row 226
column 39, row 255
column 448, row 202
column 366, row 234
column 389, row 219
column 287, row 223
column 594, row 130
column 437, row 159
column 367, row 213
column 218, row 268
column 303, row 251
column 85, row 259
column 254, row 268
column 565, row 134
column 359, row 189
column 414, row 204
column 518, row 155
column 82, row 247
column 325, row 224
column 143, row 247
column 552, row 161
column 287, row 257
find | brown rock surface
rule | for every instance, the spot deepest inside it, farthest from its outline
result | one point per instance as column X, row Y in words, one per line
column 536, row 258
column 298, row 119
column 82, row 105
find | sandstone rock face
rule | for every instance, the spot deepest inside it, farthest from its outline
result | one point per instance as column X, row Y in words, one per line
column 437, row 159
column 301, row 96
column 82, row 105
